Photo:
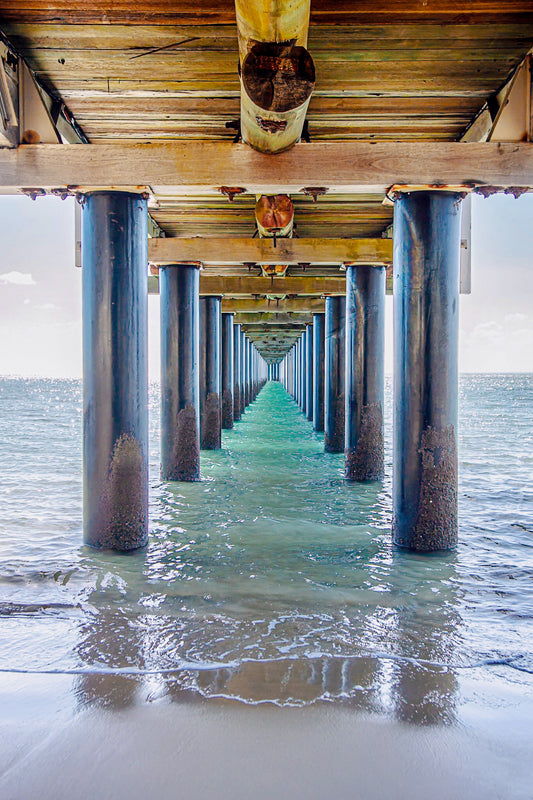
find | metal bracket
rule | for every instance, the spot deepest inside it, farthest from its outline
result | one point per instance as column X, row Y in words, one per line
column 314, row 191
column 231, row 191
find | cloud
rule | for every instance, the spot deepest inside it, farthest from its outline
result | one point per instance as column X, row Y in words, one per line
column 17, row 278
column 516, row 318
column 48, row 307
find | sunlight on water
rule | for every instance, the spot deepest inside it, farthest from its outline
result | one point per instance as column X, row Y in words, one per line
column 271, row 579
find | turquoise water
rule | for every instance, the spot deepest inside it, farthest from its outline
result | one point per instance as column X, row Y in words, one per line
column 271, row 580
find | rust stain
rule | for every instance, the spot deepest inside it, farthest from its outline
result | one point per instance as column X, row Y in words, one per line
column 186, row 450
column 227, row 409
column 436, row 525
column 366, row 461
column 123, row 512
column 271, row 125
column 335, row 443
column 211, row 436
column 278, row 77
column 236, row 401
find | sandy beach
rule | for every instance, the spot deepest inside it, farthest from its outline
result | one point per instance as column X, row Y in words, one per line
column 135, row 741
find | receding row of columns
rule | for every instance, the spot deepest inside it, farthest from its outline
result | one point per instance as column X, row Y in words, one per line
column 211, row 371
column 335, row 371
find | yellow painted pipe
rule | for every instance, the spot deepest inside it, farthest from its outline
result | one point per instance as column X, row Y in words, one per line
column 271, row 21
column 277, row 72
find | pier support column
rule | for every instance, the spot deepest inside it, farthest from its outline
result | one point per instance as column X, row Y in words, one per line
column 247, row 392
column 426, row 305
column 299, row 351
column 210, row 373
column 227, row 371
column 318, row 372
column 309, row 372
column 334, row 375
column 304, row 371
column 115, row 371
column 180, row 372
column 245, row 372
column 365, row 381
column 237, row 380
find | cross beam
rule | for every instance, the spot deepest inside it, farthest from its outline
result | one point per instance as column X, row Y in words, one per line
column 186, row 168
column 270, row 321
column 223, row 252
column 234, row 286
column 294, row 306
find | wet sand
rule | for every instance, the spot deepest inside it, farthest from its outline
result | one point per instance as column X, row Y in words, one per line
column 135, row 742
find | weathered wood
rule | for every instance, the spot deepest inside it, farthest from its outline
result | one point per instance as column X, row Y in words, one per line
column 358, row 37
column 222, row 12
column 82, row 65
column 262, row 287
column 262, row 251
column 239, row 286
column 295, row 305
column 189, row 167
column 271, row 320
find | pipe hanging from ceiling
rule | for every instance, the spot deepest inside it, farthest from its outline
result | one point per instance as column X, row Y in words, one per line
column 276, row 70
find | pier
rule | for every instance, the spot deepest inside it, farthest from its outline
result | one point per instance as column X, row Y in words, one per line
column 271, row 207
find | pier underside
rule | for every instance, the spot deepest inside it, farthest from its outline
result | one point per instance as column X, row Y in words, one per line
column 116, row 75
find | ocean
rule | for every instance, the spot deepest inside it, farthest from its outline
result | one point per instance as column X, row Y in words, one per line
column 272, row 581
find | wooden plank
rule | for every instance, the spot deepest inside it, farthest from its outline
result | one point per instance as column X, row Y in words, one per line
column 272, row 319
column 185, row 168
column 255, row 285
column 128, row 64
column 206, row 12
column 113, row 107
column 119, row 73
column 251, row 306
column 352, row 38
column 262, row 251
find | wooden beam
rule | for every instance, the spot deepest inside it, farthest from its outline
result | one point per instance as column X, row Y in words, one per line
column 255, row 285
column 263, row 251
column 222, row 12
column 186, row 168
column 270, row 321
column 295, row 306
column 269, row 333
column 263, row 287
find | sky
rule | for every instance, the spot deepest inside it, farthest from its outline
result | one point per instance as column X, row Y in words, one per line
column 40, row 290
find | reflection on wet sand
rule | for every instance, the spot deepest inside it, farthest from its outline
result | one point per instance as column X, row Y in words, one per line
column 409, row 678
column 108, row 640
column 423, row 691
